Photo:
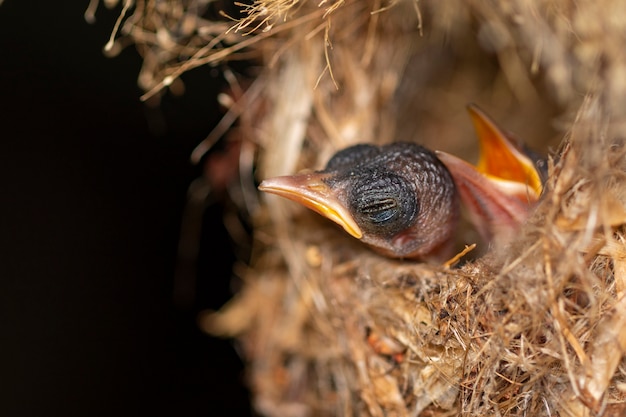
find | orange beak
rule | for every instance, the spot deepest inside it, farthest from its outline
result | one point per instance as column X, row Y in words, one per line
column 500, row 161
column 312, row 192
column 500, row 190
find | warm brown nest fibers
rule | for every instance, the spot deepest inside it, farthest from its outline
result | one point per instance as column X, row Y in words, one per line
column 326, row 326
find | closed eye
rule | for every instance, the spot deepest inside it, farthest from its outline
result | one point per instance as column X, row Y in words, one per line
column 380, row 211
column 383, row 203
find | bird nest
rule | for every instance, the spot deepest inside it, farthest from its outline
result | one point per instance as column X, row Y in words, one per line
column 328, row 327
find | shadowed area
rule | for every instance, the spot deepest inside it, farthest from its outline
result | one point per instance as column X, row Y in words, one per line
column 93, row 185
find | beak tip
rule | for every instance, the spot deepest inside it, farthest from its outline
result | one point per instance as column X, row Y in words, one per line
column 269, row 185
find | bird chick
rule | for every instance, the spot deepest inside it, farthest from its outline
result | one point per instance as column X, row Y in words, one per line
column 403, row 200
column 400, row 199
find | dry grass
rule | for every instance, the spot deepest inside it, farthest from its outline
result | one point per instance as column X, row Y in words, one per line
column 533, row 328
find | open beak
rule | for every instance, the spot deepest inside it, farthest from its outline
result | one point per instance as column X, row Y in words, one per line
column 312, row 192
column 501, row 161
column 501, row 189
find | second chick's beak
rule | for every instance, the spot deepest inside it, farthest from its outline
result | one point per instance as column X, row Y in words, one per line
column 500, row 191
column 399, row 198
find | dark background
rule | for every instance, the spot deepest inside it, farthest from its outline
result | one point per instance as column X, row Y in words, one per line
column 92, row 199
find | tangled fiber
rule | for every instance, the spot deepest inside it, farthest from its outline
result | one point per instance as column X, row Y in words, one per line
column 327, row 327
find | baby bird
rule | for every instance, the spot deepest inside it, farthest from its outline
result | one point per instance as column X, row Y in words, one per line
column 403, row 200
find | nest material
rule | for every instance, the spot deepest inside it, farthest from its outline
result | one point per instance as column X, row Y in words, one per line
column 330, row 328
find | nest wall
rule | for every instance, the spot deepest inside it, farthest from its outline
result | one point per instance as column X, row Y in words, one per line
column 326, row 326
